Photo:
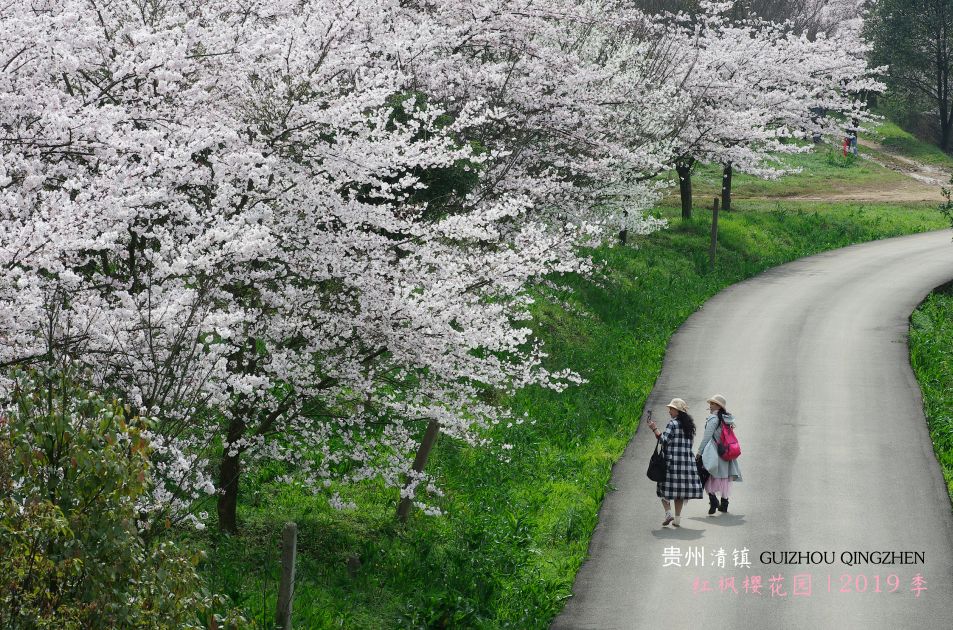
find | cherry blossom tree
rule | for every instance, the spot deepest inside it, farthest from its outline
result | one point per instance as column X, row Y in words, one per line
column 758, row 88
column 801, row 16
column 307, row 232
column 304, row 231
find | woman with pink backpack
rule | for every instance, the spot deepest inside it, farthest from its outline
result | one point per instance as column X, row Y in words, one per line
column 724, row 469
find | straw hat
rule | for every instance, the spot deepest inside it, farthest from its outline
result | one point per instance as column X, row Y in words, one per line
column 678, row 404
column 719, row 400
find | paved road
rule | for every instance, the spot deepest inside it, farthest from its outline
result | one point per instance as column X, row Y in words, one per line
column 813, row 360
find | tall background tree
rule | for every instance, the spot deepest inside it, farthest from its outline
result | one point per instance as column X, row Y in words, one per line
column 915, row 37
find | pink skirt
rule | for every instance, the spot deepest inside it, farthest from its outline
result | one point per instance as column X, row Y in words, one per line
column 718, row 485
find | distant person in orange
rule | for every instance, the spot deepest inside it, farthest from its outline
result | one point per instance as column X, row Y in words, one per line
column 681, row 481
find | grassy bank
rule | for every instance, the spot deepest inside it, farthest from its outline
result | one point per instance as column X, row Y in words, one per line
column 825, row 171
column 896, row 140
column 515, row 533
column 822, row 172
column 931, row 354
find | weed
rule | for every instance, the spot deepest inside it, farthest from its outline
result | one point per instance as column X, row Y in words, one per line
column 931, row 355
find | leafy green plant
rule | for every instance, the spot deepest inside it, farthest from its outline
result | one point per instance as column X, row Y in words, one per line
column 73, row 467
column 837, row 158
column 946, row 208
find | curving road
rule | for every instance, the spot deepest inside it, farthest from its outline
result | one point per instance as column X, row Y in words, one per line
column 813, row 360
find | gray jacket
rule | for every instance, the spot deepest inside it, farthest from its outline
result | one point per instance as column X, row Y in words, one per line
column 724, row 469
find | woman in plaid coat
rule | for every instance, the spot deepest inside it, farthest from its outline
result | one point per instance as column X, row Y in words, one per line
column 681, row 481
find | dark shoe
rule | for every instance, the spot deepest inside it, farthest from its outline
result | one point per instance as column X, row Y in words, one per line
column 668, row 519
column 724, row 505
column 712, row 503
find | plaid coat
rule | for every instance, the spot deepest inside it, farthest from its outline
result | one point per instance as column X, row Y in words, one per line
column 682, row 480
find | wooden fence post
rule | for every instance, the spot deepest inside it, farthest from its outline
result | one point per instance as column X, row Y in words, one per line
column 289, row 550
column 714, row 234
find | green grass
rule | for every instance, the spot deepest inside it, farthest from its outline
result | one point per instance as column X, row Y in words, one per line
column 896, row 140
column 822, row 172
column 931, row 354
column 825, row 170
column 515, row 533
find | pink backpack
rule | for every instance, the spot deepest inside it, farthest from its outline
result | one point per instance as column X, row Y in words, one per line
column 728, row 443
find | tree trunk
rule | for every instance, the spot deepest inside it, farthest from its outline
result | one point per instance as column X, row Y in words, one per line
column 943, row 78
column 684, row 170
column 945, row 124
column 430, row 437
column 726, row 188
column 228, row 476
column 946, row 117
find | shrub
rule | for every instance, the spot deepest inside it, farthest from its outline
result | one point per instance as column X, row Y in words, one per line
column 836, row 157
column 72, row 469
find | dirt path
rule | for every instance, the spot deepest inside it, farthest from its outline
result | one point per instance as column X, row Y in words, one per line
column 924, row 173
column 922, row 184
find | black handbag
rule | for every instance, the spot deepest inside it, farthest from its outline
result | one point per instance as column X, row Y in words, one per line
column 657, row 466
column 703, row 473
